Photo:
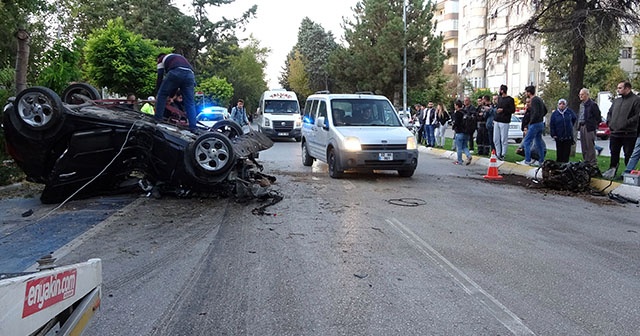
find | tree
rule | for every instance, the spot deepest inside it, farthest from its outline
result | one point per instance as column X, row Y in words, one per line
column 314, row 45
column 63, row 66
column 217, row 91
column 121, row 60
column 578, row 23
column 373, row 60
column 299, row 77
column 245, row 72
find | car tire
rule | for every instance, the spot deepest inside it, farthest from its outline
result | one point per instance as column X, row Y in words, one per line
column 37, row 113
column 518, row 140
column 211, row 155
column 307, row 159
column 334, row 164
column 298, row 139
column 604, row 137
column 229, row 128
column 406, row 172
column 82, row 89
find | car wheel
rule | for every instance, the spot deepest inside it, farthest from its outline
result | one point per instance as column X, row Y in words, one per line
column 334, row 165
column 212, row 154
column 604, row 137
column 298, row 139
column 518, row 140
column 229, row 128
column 37, row 111
column 307, row 160
column 406, row 172
column 71, row 95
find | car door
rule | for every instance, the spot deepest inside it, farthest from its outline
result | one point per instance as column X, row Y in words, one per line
column 321, row 134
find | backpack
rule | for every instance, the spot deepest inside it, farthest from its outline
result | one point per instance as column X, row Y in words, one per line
column 469, row 123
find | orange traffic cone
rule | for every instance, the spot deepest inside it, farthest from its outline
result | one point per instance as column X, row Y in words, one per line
column 492, row 172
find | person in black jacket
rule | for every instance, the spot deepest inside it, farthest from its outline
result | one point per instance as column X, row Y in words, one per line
column 462, row 135
column 561, row 128
column 588, row 119
column 504, row 109
column 623, row 123
column 534, row 129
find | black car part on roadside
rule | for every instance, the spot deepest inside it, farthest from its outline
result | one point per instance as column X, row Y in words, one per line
column 81, row 146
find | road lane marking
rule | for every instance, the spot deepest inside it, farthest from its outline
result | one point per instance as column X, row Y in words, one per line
column 510, row 320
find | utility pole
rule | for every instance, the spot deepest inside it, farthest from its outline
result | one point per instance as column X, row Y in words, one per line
column 404, row 60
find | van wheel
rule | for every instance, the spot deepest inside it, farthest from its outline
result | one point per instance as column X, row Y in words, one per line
column 406, row 172
column 334, row 165
column 298, row 139
column 307, row 160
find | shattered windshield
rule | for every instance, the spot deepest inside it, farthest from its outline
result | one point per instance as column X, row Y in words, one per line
column 363, row 112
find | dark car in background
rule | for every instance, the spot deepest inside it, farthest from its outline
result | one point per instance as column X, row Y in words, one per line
column 80, row 145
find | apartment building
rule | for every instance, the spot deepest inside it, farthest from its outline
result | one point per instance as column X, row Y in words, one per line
column 446, row 17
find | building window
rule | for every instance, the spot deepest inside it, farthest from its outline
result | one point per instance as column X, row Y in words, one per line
column 626, row 53
column 499, row 60
column 532, row 78
column 516, row 57
column 455, row 24
column 532, row 53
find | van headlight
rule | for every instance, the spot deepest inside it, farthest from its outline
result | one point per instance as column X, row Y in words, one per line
column 298, row 122
column 267, row 122
column 352, row 144
column 412, row 143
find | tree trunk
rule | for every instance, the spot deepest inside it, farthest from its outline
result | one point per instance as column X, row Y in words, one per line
column 578, row 63
column 22, row 60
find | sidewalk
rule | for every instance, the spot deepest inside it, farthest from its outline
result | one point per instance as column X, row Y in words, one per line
column 626, row 190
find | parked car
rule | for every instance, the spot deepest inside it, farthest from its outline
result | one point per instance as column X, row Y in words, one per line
column 82, row 146
column 515, row 129
column 603, row 131
column 209, row 116
column 356, row 132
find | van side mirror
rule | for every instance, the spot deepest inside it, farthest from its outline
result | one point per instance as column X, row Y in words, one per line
column 321, row 122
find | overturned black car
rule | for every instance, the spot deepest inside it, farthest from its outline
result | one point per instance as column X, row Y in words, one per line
column 79, row 145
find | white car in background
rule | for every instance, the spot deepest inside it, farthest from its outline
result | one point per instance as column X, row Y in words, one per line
column 515, row 129
column 209, row 116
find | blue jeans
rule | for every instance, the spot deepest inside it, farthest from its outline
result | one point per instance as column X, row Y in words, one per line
column 462, row 144
column 534, row 134
column 184, row 80
column 635, row 157
column 429, row 135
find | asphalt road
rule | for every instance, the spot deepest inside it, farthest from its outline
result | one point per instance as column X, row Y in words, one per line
column 338, row 257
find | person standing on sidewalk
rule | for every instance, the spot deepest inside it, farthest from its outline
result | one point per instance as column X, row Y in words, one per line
column 561, row 128
column 623, row 123
column 504, row 109
column 239, row 114
column 470, row 110
column 430, row 120
column 635, row 156
column 535, row 129
column 588, row 119
column 420, row 114
column 443, row 118
column 461, row 138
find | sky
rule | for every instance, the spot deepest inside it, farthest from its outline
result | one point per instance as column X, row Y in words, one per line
column 277, row 22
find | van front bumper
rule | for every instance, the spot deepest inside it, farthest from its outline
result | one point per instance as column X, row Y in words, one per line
column 379, row 160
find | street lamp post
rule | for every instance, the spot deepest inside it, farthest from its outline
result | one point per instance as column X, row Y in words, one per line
column 404, row 58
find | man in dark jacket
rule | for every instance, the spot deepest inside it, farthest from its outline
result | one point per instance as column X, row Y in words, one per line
column 473, row 111
column 623, row 123
column 561, row 129
column 588, row 119
column 504, row 109
column 535, row 128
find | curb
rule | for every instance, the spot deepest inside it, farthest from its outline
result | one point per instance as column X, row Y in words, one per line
column 606, row 186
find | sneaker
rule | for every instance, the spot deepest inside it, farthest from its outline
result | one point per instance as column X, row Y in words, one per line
column 523, row 163
column 501, row 158
column 468, row 162
column 456, row 163
column 535, row 163
column 600, row 150
column 610, row 173
column 595, row 172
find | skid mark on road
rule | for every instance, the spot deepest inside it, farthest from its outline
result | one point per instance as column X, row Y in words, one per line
column 497, row 309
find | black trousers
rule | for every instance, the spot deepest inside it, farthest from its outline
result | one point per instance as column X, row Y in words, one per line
column 563, row 150
column 626, row 143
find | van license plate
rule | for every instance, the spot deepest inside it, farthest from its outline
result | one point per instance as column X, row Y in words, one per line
column 283, row 134
column 385, row 156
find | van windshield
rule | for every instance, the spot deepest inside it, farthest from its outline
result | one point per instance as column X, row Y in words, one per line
column 363, row 112
column 281, row 106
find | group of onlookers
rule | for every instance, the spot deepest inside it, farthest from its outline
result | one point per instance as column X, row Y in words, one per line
column 492, row 116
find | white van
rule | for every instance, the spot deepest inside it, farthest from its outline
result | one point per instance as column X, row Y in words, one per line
column 356, row 132
column 278, row 115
